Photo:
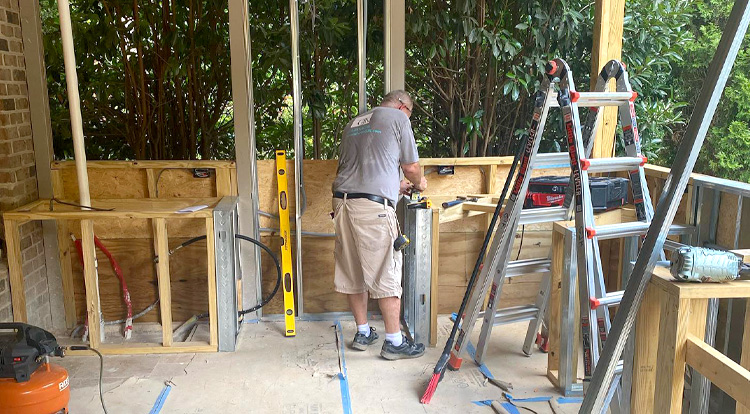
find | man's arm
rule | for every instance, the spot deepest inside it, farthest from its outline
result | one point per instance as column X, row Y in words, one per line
column 413, row 173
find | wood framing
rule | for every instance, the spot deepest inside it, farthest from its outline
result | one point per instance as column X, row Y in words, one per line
column 608, row 22
column 670, row 328
column 158, row 210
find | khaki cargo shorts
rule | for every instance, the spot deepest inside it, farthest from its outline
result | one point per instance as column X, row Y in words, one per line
column 365, row 258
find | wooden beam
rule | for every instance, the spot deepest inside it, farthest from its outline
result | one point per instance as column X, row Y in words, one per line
column 211, row 263
column 66, row 272
column 91, row 281
column 155, row 164
column 17, row 289
column 726, row 374
column 679, row 317
column 608, row 22
column 165, row 289
column 644, row 365
column 149, row 348
column 745, row 358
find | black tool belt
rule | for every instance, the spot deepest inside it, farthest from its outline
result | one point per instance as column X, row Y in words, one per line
column 371, row 197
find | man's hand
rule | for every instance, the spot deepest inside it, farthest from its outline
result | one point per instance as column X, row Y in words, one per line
column 405, row 187
column 422, row 185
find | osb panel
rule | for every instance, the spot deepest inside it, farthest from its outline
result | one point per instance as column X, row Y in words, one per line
column 180, row 183
column 466, row 180
column 188, row 271
column 319, row 176
column 140, row 228
column 106, row 183
column 727, row 225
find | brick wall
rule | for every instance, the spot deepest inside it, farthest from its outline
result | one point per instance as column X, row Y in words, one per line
column 18, row 182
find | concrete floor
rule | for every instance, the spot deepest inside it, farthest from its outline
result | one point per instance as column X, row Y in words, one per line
column 273, row 374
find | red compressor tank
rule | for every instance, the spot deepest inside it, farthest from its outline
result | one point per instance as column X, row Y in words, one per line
column 46, row 392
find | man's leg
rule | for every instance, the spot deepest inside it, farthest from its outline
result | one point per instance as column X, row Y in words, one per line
column 358, row 305
column 390, row 308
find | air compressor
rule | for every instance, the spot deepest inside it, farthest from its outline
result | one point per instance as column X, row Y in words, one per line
column 29, row 382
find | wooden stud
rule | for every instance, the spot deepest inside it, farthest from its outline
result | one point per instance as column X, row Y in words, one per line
column 679, row 317
column 91, row 281
column 726, row 374
column 553, row 356
column 435, row 271
column 165, row 290
column 17, row 289
column 66, row 272
column 745, row 358
column 211, row 263
column 644, row 365
column 151, row 182
column 115, row 165
column 223, row 182
column 149, row 348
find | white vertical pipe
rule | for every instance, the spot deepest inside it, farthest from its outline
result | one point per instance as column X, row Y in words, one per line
column 362, row 53
column 299, row 148
column 71, row 79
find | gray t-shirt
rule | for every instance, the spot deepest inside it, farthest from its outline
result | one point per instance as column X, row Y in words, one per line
column 373, row 147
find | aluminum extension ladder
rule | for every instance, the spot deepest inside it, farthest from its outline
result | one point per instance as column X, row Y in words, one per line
column 589, row 269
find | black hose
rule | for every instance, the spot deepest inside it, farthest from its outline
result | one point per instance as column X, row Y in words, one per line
column 101, row 369
column 263, row 302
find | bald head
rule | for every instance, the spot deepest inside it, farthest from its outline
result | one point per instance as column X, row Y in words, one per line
column 398, row 99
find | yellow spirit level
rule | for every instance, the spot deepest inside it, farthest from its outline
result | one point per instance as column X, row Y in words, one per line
column 286, row 247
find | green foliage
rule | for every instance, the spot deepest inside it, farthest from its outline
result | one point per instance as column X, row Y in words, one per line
column 726, row 149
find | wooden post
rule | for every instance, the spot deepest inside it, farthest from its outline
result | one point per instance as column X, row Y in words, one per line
column 211, row 262
column 87, row 226
column 644, row 365
column 608, row 21
column 17, row 289
column 165, row 290
column 66, row 272
column 679, row 317
column 745, row 359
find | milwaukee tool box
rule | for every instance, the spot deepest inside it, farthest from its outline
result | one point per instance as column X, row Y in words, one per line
column 549, row 191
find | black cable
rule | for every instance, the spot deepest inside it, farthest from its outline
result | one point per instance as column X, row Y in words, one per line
column 275, row 259
column 520, row 244
column 101, row 369
column 54, row 200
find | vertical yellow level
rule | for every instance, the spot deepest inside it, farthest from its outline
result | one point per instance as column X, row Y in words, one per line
column 286, row 248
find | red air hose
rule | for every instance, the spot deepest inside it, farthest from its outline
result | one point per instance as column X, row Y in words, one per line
column 118, row 272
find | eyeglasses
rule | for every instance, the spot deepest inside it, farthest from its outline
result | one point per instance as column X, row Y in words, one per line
column 403, row 105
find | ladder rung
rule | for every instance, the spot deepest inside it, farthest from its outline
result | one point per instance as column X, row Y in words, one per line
column 552, row 160
column 543, row 215
column 599, row 98
column 514, row 314
column 528, row 266
column 599, row 165
column 636, row 228
column 610, row 299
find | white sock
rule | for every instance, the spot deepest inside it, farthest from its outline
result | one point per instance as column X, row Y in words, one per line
column 394, row 338
column 364, row 329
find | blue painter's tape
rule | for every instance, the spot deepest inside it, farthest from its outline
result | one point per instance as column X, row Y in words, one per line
column 482, row 368
column 346, row 399
column 508, row 406
column 569, row 400
column 160, row 400
column 532, row 399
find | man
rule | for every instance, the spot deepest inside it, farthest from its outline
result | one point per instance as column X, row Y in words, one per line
column 373, row 148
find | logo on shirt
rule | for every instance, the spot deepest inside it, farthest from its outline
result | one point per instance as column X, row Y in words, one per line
column 361, row 120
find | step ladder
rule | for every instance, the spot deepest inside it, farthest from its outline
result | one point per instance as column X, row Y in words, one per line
column 590, row 273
